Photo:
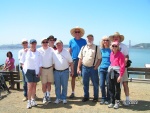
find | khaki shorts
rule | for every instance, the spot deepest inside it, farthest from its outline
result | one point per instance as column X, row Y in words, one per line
column 125, row 76
column 47, row 75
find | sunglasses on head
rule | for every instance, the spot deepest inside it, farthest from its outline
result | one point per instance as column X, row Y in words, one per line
column 24, row 42
column 106, row 40
column 44, row 42
column 77, row 31
column 114, row 46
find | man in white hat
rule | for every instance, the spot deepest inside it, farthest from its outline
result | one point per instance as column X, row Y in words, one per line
column 62, row 60
column 89, row 58
column 47, row 69
column 124, row 50
column 75, row 45
column 20, row 53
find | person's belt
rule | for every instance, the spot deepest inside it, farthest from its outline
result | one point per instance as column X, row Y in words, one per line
column 47, row 67
column 61, row 70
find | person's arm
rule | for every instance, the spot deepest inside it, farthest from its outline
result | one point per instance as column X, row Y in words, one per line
column 122, row 67
column 79, row 66
column 99, row 57
column 97, row 63
column 72, row 68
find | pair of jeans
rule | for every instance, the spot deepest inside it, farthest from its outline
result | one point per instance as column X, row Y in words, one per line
column 87, row 73
column 114, row 87
column 25, row 89
column 103, row 79
column 61, row 80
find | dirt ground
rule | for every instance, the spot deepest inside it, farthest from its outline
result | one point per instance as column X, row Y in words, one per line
column 12, row 103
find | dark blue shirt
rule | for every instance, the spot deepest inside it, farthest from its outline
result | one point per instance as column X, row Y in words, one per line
column 75, row 46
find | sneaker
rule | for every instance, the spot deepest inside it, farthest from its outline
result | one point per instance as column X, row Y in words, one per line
column 48, row 99
column 110, row 105
column 44, row 100
column 57, row 101
column 126, row 103
column 33, row 103
column 24, row 99
column 85, row 99
column 29, row 105
column 64, row 101
column 72, row 95
column 102, row 101
column 116, row 106
column 107, row 102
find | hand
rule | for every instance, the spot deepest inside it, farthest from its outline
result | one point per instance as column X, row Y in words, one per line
column 71, row 73
column 78, row 71
column 119, row 79
column 95, row 68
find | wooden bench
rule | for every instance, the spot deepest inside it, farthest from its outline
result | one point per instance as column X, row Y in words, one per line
column 138, row 71
column 12, row 77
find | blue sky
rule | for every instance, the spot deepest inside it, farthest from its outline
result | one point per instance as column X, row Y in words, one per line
column 40, row 18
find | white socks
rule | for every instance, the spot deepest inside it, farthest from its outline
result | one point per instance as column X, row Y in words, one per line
column 48, row 94
column 127, row 98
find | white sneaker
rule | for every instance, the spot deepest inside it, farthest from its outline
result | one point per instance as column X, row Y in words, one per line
column 116, row 106
column 44, row 100
column 126, row 103
column 57, row 101
column 33, row 103
column 48, row 99
column 28, row 105
column 64, row 101
column 110, row 105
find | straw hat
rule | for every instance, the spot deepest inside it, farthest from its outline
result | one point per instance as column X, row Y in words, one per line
column 72, row 31
column 116, row 34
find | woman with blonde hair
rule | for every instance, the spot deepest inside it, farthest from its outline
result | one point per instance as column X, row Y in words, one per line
column 105, row 62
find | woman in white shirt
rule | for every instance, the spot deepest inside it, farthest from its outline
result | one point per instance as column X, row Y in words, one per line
column 31, row 63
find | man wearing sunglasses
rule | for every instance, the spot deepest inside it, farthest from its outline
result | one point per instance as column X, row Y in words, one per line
column 51, row 41
column 75, row 45
column 25, row 46
column 47, row 69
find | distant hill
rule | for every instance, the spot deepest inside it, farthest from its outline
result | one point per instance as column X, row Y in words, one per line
column 142, row 45
column 18, row 46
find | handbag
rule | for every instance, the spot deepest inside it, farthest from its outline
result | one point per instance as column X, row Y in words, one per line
column 128, row 63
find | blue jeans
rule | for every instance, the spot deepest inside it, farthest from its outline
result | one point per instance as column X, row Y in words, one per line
column 103, row 74
column 24, row 84
column 87, row 73
column 61, row 80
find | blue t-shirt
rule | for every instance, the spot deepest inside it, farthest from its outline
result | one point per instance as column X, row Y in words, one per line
column 75, row 46
column 105, row 63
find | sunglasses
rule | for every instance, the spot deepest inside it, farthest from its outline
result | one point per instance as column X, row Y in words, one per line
column 105, row 40
column 44, row 42
column 24, row 42
column 77, row 31
column 114, row 46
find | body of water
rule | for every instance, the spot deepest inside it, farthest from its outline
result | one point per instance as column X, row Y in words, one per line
column 139, row 57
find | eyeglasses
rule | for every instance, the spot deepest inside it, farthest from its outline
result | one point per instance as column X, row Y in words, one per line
column 77, row 31
column 105, row 40
column 114, row 46
column 24, row 42
column 44, row 42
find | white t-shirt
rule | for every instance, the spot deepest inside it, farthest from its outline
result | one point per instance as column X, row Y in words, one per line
column 20, row 54
column 31, row 60
column 61, row 60
column 124, row 49
column 47, row 56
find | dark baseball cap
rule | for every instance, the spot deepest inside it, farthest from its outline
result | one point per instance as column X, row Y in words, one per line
column 33, row 41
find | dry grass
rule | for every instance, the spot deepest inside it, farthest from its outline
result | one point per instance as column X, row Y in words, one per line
column 12, row 103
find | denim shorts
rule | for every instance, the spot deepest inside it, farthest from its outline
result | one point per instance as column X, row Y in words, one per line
column 30, row 76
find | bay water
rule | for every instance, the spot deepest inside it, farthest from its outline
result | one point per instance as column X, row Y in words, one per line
column 139, row 57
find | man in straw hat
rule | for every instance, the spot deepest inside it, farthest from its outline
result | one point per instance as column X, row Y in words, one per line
column 47, row 69
column 124, row 50
column 75, row 45
column 89, row 58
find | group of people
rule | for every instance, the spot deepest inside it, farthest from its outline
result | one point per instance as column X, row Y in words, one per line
column 53, row 64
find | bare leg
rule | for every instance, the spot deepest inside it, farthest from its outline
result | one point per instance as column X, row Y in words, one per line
column 126, row 88
column 30, row 86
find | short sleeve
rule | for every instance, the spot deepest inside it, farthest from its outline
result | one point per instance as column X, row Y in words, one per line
column 80, row 53
column 99, row 56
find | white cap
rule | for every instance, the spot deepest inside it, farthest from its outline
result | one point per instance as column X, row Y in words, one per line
column 24, row 40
